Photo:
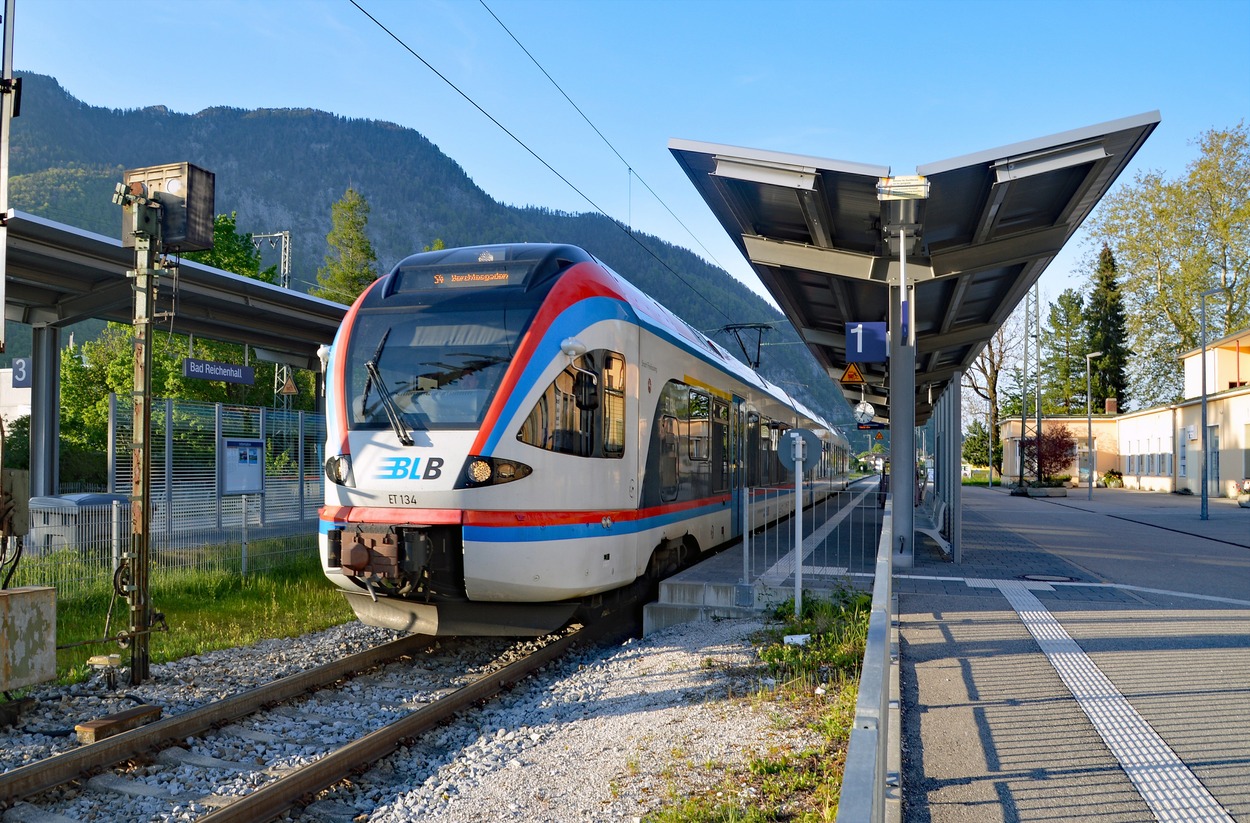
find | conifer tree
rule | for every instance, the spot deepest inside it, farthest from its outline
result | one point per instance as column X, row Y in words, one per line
column 234, row 252
column 1107, row 332
column 350, row 262
column 1063, row 358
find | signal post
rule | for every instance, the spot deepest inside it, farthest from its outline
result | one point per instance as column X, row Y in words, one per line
column 164, row 209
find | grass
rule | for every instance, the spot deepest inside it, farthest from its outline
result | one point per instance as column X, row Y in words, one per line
column 205, row 610
column 817, row 685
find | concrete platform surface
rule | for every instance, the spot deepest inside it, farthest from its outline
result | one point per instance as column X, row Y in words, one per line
column 1083, row 662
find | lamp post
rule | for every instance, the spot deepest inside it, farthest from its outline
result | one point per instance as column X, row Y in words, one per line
column 1089, row 422
column 1204, row 296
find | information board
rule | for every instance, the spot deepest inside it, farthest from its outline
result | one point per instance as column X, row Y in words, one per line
column 242, row 466
column 811, row 445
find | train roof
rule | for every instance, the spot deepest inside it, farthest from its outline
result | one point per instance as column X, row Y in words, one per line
column 528, row 265
column 652, row 313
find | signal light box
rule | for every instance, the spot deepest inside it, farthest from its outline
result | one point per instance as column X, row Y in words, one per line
column 186, row 194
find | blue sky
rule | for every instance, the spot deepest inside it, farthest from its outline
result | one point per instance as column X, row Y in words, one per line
column 887, row 82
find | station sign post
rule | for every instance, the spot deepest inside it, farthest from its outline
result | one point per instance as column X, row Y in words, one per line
column 804, row 450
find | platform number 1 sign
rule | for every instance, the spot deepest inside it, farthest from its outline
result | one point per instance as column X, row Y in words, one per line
column 21, row 373
column 865, row 343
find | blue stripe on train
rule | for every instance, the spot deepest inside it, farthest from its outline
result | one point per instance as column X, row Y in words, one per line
column 571, row 321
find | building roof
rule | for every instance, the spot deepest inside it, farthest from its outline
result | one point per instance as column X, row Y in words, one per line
column 58, row 275
column 816, row 234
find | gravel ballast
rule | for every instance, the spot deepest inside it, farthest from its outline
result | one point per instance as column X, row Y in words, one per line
column 603, row 734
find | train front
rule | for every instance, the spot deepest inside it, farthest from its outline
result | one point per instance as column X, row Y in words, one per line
column 411, row 379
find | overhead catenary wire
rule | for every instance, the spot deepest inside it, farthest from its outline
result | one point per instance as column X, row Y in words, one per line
column 535, row 155
column 632, row 171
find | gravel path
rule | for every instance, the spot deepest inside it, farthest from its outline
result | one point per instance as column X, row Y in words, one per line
column 607, row 734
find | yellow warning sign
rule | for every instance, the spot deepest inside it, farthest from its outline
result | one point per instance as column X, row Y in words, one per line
column 852, row 374
column 288, row 387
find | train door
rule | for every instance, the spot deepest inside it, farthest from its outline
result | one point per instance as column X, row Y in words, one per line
column 738, row 465
column 637, row 417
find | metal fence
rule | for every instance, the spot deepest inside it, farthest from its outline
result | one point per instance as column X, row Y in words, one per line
column 840, row 538
column 75, row 542
column 871, row 779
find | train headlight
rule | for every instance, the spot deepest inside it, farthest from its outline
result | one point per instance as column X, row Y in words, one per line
column 490, row 471
column 479, row 471
column 339, row 470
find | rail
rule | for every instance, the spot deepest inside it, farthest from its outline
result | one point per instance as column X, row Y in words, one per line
column 45, row 774
column 874, row 753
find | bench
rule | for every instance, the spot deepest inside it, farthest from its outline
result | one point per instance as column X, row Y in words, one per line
column 927, row 520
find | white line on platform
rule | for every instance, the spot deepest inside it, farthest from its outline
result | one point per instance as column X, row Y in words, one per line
column 1169, row 788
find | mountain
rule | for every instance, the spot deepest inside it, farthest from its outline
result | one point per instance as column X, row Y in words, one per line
column 282, row 169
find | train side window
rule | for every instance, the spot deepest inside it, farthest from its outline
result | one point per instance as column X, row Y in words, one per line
column 766, row 451
column 613, row 405
column 699, row 424
column 753, row 449
column 556, row 423
column 669, row 479
column 720, row 446
column 582, row 411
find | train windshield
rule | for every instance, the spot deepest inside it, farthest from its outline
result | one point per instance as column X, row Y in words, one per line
column 429, row 370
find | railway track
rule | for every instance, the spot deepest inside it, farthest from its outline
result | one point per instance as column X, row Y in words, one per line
column 154, row 758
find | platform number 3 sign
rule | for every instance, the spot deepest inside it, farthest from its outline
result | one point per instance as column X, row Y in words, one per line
column 21, row 372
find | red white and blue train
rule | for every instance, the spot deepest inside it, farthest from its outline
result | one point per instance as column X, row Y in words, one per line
column 514, row 431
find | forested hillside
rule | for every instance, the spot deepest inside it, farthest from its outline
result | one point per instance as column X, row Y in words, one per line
column 282, row 169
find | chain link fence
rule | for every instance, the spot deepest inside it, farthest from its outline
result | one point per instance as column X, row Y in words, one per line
column 76, row 540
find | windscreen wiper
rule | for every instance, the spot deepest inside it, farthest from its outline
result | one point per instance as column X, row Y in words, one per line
column 384, row 394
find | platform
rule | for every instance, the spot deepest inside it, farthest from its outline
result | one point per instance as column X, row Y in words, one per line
column 1085, row 659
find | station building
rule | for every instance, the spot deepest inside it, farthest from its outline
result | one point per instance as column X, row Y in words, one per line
column 1160, row 449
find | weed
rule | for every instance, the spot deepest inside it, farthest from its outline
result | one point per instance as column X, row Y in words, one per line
column 206, row 610
column 816, row 684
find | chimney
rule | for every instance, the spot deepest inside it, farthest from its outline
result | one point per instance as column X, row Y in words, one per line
column 1112, row 406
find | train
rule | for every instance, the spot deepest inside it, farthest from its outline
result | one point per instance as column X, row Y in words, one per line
column 515, row 432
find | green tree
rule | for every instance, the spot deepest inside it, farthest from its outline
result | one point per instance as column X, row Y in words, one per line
column 350, row 264
column 1063, row 355
column 1174, row 240
column 988, row 379
column 1106, row 330
column 976, row 449
column 234, row 252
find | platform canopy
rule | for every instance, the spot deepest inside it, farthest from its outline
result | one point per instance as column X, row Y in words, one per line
column 819, row 238
column 58, row 275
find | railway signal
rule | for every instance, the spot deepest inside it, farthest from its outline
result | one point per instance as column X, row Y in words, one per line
column 164, row 208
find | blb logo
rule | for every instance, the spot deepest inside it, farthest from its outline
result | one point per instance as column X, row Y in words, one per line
column 410, row 468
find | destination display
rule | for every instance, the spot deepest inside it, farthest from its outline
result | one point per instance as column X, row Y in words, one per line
column 428, row 279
